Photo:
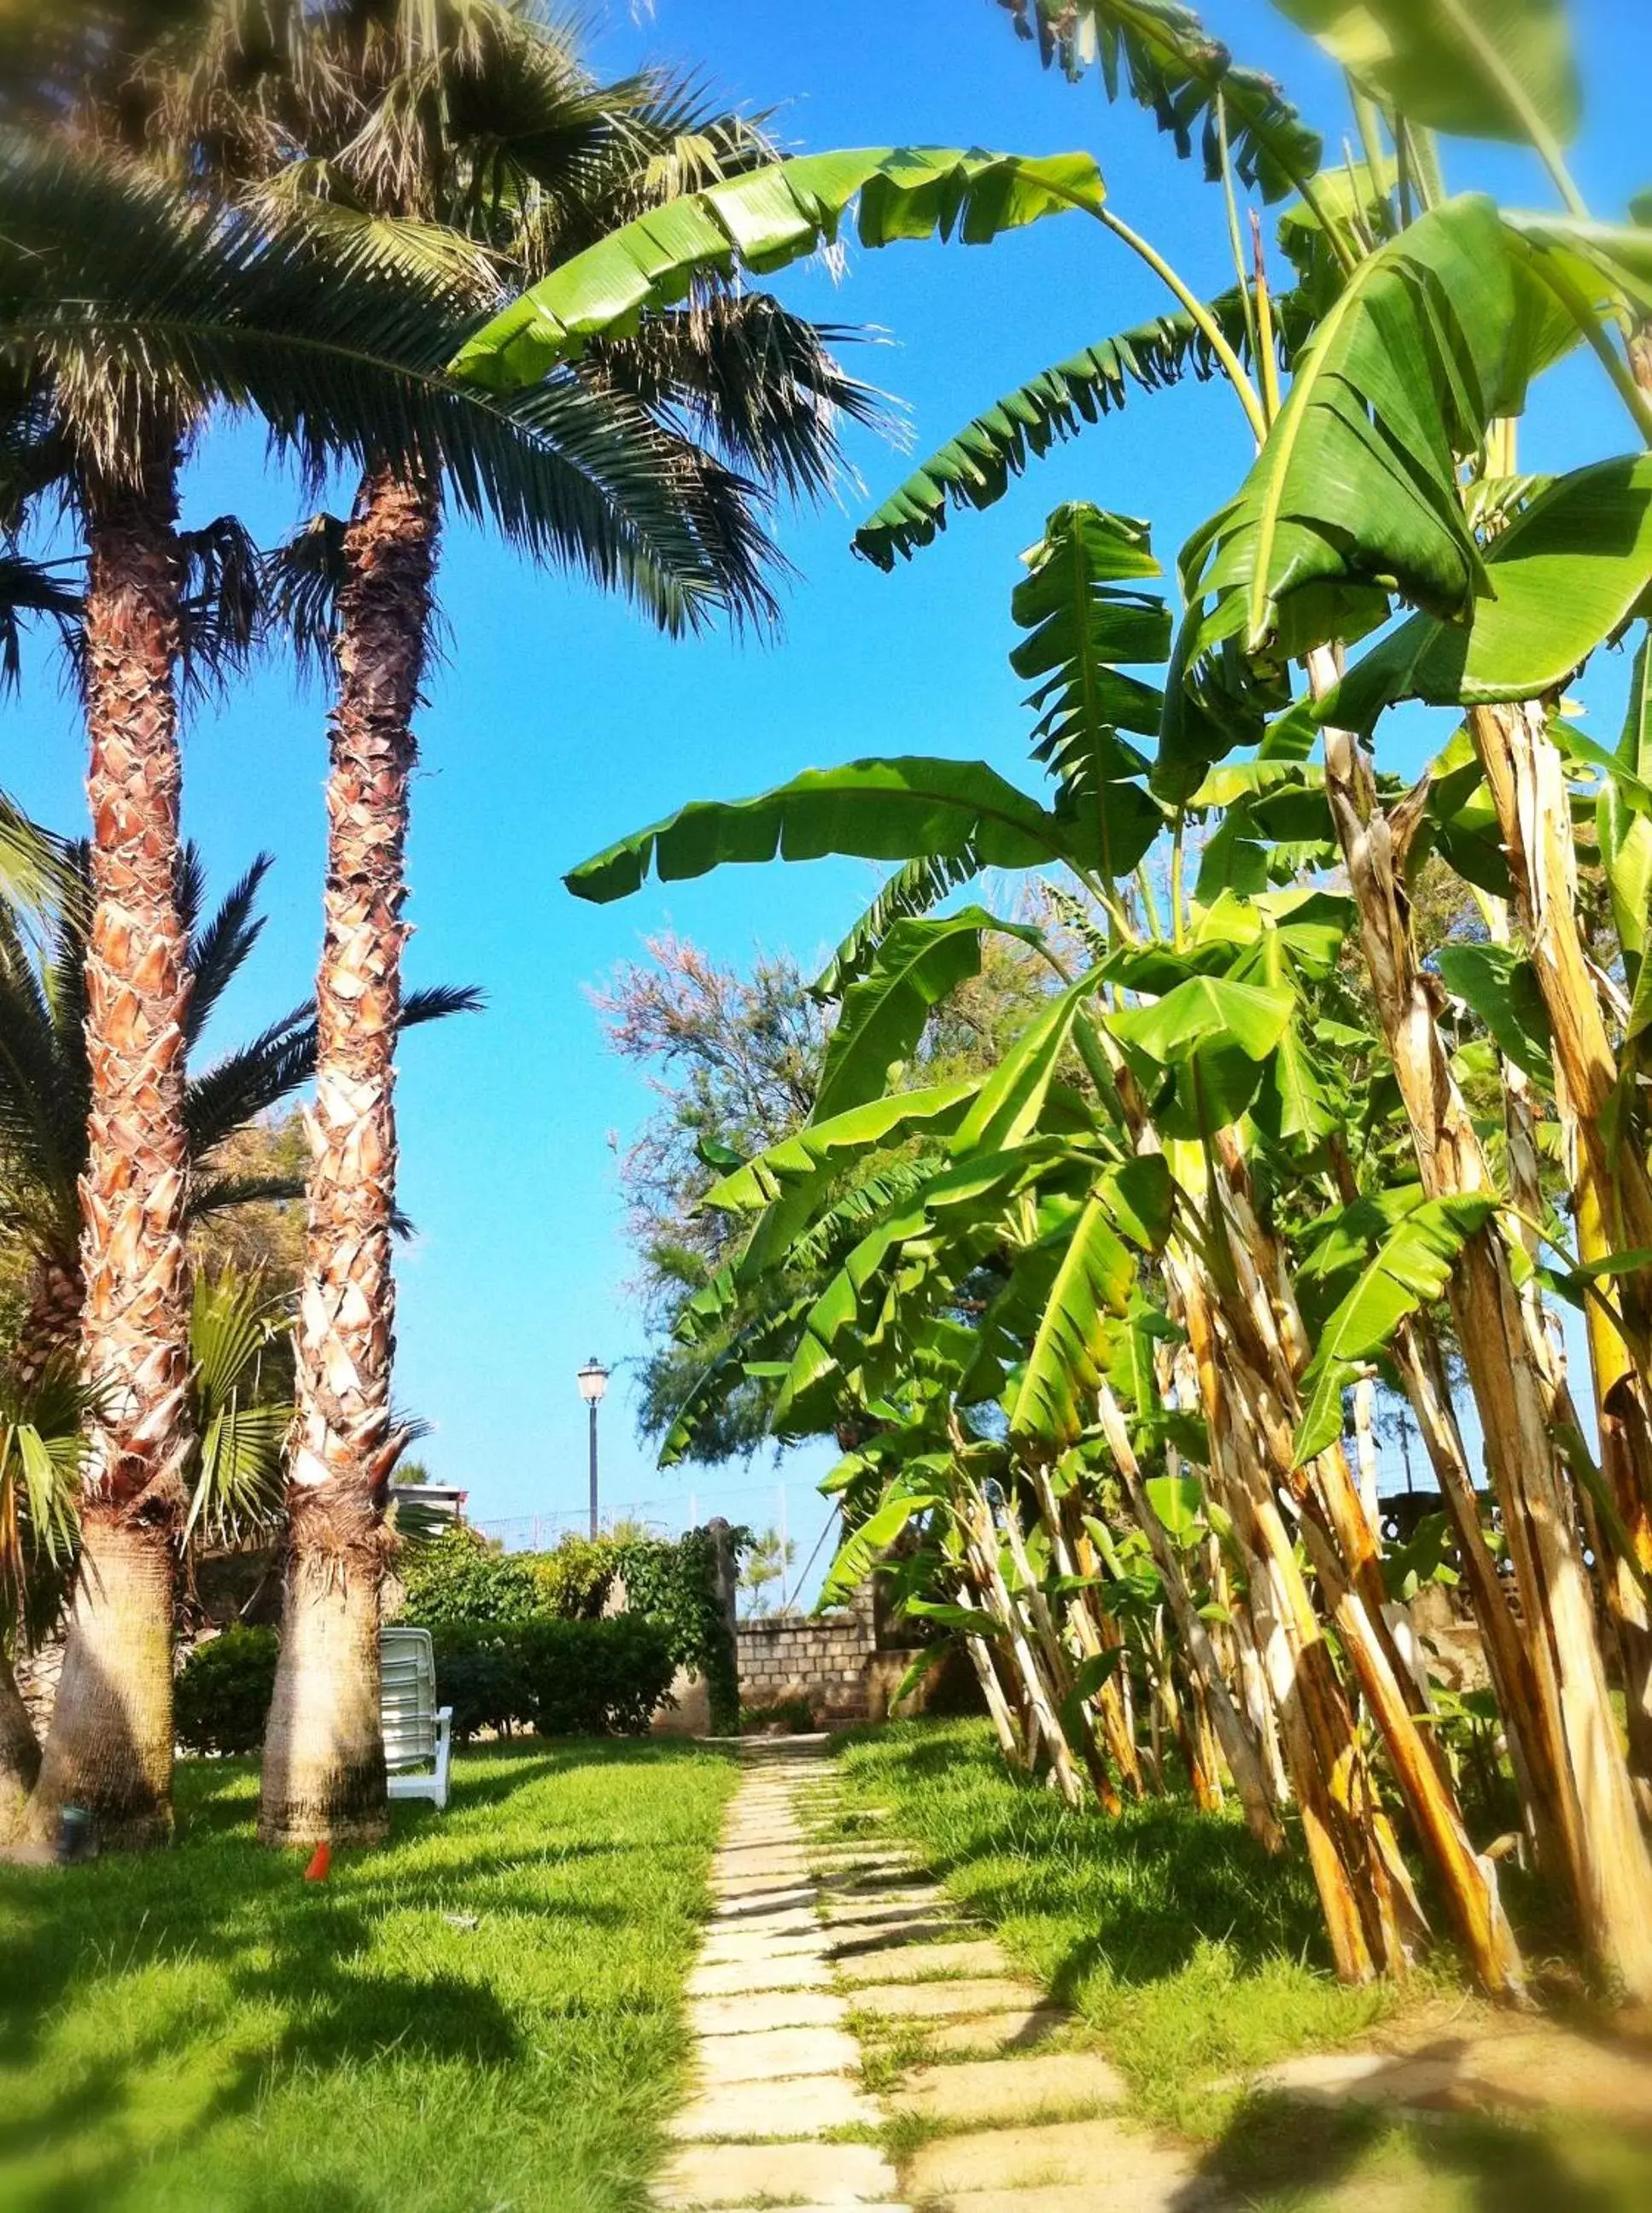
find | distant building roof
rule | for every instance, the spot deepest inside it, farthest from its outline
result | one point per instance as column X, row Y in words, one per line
column 439, row 1497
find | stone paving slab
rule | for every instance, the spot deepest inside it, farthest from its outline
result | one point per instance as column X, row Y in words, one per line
column 730, row 1978
column 731, row 1869
column 769, row 2107
column 1109, row 2167
column 984, row 2093
column 758, row 2174
column 883, row 1906
column 765, row 1901
column 921, row 1963
column 856, row 1940
column 766, row 1944
column 1025, row 2030
column 772, row 2055
column 942, row 2000
column 760, row 2009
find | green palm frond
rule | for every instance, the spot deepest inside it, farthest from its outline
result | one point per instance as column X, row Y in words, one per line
column 41, row 1453
column 249, row 1081
column 242, row 1402
column 211, row 1194
column 30, row 591
column 759, row 384
column 217, row 952
column 132, row 305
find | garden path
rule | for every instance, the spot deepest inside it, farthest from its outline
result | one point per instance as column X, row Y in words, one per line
column 858, row 2044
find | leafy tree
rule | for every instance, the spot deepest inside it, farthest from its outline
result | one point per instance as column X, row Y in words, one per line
column 239, row 1161
column 768, row 1562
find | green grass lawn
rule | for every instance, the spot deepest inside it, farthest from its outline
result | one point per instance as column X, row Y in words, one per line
column 201, row 2029
column 1195, row 1959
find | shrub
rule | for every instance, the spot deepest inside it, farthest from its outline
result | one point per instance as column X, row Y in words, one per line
column 224, row 1690
column 558, row 1678
column 574, row 1578
column 676, row 1585
column 459, row 1577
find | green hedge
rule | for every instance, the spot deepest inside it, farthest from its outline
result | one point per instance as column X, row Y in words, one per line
column 557, row 1678
column 224, row 1690
column 459, row 1581
column 459, row 1577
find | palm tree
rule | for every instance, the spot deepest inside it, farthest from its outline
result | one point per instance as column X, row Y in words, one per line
column 39, row 1453
column 131, row 311
column 470, row 142
column 46, row 1085
column 241, row 1408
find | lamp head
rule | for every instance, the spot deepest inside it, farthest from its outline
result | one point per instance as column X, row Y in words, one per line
column 593, row 1382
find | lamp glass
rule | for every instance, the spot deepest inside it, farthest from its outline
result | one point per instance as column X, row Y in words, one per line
column 593, row 1381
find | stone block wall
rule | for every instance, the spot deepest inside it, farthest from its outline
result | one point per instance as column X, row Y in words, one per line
column 823, row 1659
column 834, row 1661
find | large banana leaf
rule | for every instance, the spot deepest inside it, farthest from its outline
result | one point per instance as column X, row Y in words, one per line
column 761, row 220
column 1566, row 574
column 914, row 888
column 1007, row 1108
column 1053, row 1405
column 832, row 1144
column 861, row 1551
column 1082, row 625
column 973, row 468
column 1500, row 985
column 1481, row 69
column 918, row 964
column 897, row 809
column 1204, row 1014
column 1439, row 332
column 1175, row 68
column 1620, row 254
column 1410, row 1269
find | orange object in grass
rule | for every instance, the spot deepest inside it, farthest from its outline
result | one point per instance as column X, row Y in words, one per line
column 321, row 1866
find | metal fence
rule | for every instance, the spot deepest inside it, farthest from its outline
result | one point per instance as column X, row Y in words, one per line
column 762, row 1505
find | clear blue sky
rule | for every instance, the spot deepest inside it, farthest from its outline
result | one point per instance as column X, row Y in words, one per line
column 559, row 722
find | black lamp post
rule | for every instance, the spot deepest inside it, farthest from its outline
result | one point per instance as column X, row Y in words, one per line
column 592, row 1382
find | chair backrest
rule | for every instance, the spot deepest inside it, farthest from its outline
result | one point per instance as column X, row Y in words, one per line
column 407, row 1696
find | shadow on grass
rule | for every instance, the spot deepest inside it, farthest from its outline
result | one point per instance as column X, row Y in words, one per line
column 1281, row 2149
column 337, row 1972
column 1148, row 1886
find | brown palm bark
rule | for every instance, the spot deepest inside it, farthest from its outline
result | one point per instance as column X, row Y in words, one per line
column 110, row 1744
column 49, row 1333
column 1571, row 1729
column 19, row 1754
column 323, row 1774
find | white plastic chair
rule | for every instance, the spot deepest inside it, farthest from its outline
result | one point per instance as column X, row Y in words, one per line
column 417, row 1731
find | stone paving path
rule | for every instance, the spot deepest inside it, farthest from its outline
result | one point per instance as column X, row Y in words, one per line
column 831, row 1968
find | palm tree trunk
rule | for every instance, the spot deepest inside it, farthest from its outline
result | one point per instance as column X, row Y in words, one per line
column 324, row 1773
column 20, row 1754
column 110, row 1745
